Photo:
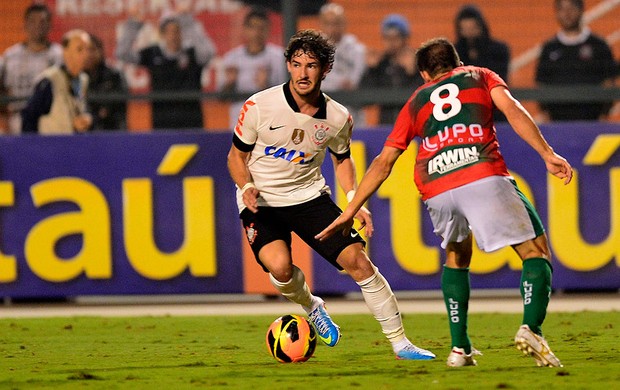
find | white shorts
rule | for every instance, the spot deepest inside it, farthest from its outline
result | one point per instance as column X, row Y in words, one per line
column 493, row 208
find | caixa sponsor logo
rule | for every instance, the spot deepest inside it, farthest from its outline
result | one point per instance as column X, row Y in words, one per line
column 294, row 156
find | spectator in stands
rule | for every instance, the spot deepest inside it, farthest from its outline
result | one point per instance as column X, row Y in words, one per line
column 350, row 59
column 254, row 65
column 175, row 64
column 575, row 56
column 21, row 63
column 394, row 68
column 475, row 45
column 58, row 102
column 104, row 79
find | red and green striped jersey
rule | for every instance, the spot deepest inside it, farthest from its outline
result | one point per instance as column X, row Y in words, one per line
column 454, row 118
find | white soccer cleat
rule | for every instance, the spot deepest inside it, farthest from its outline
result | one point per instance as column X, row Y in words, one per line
column 411, row 352
column 535, row 346
column 458, row 357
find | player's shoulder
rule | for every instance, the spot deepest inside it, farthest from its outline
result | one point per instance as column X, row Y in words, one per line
column 14, row 50
column 268, row 94
column 235, row 52
column 272, row 48
column 597, row 40
column 336, row 112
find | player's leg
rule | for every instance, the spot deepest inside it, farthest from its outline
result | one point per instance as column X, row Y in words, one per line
column 296, row 290
column 271, row 245
column 536, row 292
column 450, row 224
column 380, row 300
column 347, row 253
column 500, row 215
column 455, row 286
column 535, row 283
column 287, row 278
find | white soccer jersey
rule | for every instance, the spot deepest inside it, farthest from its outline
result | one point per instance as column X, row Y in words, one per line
column 289, row 147
column 19, row 68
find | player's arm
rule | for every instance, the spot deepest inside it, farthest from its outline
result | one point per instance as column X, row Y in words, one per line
column 523, row 124
column 377, row 173
column 346, row 177
column 238, row 157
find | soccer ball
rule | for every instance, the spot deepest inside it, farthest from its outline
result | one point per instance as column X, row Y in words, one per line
column 291, row 338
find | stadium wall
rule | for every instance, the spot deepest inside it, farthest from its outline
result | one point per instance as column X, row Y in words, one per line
column 127, row 214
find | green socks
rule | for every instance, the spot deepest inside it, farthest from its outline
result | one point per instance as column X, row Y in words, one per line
column 455, row 286
column 536, row 291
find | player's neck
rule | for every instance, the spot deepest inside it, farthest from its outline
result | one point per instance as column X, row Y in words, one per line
column 307, row 104
column 37, row 45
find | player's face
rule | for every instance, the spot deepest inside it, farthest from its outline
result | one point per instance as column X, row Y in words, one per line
column 568, row 15
column 333, row 25
column 95, row 56
column 76, row 53
column 393, row 41
column 470, row 29
column 38, row 25
column 256, row 31
column 306, row 74
column 171, row 35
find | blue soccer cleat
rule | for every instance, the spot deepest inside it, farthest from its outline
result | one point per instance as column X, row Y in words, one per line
column 327, row 330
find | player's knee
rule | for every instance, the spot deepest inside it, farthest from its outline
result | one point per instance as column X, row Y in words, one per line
column 281, row 274
column 358, row 266
column 533, row 248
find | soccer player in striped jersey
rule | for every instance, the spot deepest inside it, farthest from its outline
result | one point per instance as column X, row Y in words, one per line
column 466, row 187
column 279, row 144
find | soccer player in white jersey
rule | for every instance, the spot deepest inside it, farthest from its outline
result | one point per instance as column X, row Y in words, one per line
column 23, row 62
column 279, row 144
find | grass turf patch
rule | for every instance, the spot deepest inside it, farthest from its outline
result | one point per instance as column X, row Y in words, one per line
column 230, row 352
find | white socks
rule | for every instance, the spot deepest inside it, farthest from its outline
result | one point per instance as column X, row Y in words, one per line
column 382, row 304
column 296, row 290
column 376, row 292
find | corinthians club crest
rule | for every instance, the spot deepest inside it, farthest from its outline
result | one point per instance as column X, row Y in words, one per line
column 320, row 133
column 251, row 233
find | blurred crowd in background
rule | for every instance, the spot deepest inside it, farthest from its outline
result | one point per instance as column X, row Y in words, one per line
column 72, row 86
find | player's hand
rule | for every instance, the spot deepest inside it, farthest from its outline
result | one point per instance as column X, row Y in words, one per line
column 343, row 223
column 559, row 167
column 82, row 122
column 250, row 199
column 365, row 218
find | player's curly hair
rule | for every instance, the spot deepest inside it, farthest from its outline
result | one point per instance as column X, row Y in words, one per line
column 314, row 44
column 436, row 56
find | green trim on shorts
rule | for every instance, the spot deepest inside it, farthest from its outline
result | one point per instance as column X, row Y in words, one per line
column 537, row 224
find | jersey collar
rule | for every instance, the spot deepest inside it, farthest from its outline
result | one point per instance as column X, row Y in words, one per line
column 320, row 114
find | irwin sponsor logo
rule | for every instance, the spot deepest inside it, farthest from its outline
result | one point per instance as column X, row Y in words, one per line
column 449, row 160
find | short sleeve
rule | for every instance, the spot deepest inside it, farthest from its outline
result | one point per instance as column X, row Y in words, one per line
column 246, row 128
column 402, row 133
column 492, row 79
column 341, row 143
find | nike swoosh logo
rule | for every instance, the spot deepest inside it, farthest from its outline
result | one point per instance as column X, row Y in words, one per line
column 276, row 127
column 326, row 340
column 354, row 234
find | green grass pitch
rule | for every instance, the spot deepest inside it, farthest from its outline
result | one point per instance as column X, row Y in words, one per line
column 229, row 352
